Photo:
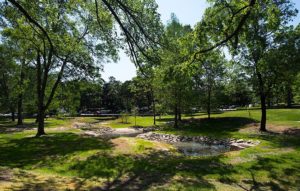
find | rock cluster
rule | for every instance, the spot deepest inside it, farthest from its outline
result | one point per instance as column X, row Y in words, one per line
column 146, row 129
column 99, row 132
column 110, row 132
column 234, row 144
column 78, row 125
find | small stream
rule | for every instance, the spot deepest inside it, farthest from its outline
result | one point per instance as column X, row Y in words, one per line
column 185, row 146
column 198, row 149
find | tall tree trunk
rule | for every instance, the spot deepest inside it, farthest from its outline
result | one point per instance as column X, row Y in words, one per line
column 41, row 94
column 154, row 108
column 179, row 105
column 179, row 113
column 13, row 114
column 263, row 120
column 20, row 109
column 41, row 115
column 5, row 89
column 263, row 113
column 289, row 97
column 176, row 117
column 154, row 113
column 269, row 103
column 20, row 96
column 208, row 103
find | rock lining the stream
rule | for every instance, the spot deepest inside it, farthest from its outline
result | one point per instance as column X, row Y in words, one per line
column 99, row 132
column 232, row 143
column 90, row 130
column 148, row 134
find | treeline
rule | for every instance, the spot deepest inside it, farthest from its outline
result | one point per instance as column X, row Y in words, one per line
column 261, row 67
column 239, row 53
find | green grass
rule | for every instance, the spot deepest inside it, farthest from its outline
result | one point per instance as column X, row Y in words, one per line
column 54, row 122
column 66, row 160
column 140, row 121
column 274, row 116
column 30, row 122
column 290, row 117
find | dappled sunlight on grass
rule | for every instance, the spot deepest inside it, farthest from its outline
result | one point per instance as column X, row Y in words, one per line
column 140, row 121
column 214, row 127
column 67, row 160
column 27, row 151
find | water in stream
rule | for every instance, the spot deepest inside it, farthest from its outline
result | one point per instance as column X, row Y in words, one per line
column 198, row 149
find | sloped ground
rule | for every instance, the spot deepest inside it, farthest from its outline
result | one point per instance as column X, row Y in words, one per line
column 67, row 160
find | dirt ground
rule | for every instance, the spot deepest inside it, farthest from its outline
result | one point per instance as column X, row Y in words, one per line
column 276, row 129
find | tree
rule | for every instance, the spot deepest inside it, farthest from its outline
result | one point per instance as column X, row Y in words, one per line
column 238, row 88
column 8, row 81
column 225, row 20
column 126, row 95
column 22, row 54
column 112, row 99
column 286, row 57
column 65, row 25
column 135, row 113
column 173, row 82
column 209, row 78
column 142, row 93
column 90, row 93
column 255, row 39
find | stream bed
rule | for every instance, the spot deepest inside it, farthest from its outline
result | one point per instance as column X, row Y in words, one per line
column 199, row 149
column 187, row 145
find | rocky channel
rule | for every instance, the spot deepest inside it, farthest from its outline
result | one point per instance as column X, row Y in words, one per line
column 233, row 144
column 149, row 134
column 118, row 132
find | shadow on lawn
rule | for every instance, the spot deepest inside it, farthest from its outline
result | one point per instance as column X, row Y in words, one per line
column 114, row 172
column 222, row 126
column 11, row 127
column 7, row 127
column 29, row 150
column 126, row 172
column 103, row 119
column 279, row 177
column 22, row 180
column 158, row 169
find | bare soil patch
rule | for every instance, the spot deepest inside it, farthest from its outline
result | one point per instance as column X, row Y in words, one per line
column 275, row 129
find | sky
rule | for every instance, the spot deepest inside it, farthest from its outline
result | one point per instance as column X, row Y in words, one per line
column 187, row 11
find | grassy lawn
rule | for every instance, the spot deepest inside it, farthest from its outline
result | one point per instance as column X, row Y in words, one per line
column 286, row 117
column 140, row 121
column 289, row 117
column 49, row 122
column 66, row 160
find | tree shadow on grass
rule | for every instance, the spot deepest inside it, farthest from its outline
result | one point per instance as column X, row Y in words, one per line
column 164, row 119
column 124, row 172
column 158, row 169
column 216, row 127
column 281, row 171
column 7, row 127
column 279, row 140
column 20, row 152
column 24, row 180
column 103, row 119
column 6, row 123
column 280, row 178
